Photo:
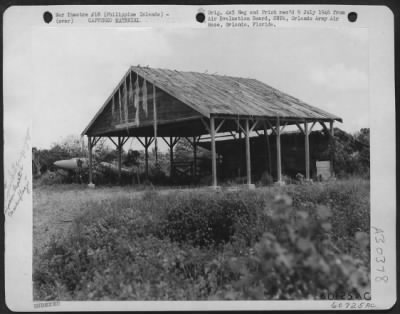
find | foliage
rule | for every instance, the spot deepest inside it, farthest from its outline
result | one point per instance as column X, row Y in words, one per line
column 350, row 153
column 201, row 219
column 66, row 148
column 266, row 178
column 132, row 158
column 295, row 242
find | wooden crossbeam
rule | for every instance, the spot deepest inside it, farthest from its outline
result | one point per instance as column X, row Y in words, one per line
column 113, row 141
column 166, row 142
column 254, row 125
column 282, row 127
column 219, row 125
column 141, row 142
column 173, row 143
column 240, row 126
column 95, row 140
column 124, row 140
column 270, row 126
column 300, row 128
column 205, row 125
column 150, row 141
column 324, row 127
column 196, row 140
column 312, row 125
column 176, row 141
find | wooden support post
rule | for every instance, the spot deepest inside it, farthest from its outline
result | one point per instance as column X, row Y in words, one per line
column 240, row 154
column 307, row 150
column 119, row 148
column 248, row 159
column 146, row 156
column 194, row 156
column 90, row 163
column 155, row 123
column 171, row 156
column 268, row 148
column 278, row 151
column 213, row 153
column 331, row 139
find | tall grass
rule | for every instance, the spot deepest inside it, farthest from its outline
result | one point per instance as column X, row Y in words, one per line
column 294, row 242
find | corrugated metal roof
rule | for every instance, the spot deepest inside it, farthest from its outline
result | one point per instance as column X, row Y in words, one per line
column 226, row 95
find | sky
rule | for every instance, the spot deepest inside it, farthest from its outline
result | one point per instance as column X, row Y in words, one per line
column 73, row 71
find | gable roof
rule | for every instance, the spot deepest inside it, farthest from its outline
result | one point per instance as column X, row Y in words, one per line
column 211, row 94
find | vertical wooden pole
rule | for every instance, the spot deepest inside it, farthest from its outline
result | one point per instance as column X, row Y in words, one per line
column 307, row 150
column 119, row 158
column 213, row 153
column 240, row 153
column 248, row 160
column 331, row 139
column 171, row 156
column 155, row 123
column 90, row 161
column 278, row 151
column 194, row 156
column 146, row 156
column 269, row 165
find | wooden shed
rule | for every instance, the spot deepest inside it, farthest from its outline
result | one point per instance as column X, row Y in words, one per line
column 151, row 104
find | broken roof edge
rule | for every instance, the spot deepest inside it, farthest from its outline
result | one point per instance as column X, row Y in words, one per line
column 130, row 70
column 188, row 103
column 99, row 112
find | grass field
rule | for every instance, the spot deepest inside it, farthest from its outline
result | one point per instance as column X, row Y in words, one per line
column 120, row 243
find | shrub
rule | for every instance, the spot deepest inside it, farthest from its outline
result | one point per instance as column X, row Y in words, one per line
column 276, row 243
column 299, row 262
column 266, row 179
column 206, row 219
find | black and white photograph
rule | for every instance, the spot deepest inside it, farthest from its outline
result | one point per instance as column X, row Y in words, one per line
column 195, row 163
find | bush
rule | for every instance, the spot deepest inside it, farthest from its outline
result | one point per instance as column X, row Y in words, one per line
column 266, row 179
column 206, row 219
column 299, row 262
column 277, row 243
column 349, row 200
